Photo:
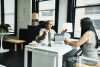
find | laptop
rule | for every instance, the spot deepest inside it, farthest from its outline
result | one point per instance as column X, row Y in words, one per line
column 59, row 38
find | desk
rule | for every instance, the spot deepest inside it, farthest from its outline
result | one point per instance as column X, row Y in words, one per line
column 43, row 56
column 1, row 48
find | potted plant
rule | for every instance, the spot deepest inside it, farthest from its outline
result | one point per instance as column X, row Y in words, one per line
column 4, row 27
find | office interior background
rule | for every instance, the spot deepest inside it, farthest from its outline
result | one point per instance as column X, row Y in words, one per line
column 18, row 13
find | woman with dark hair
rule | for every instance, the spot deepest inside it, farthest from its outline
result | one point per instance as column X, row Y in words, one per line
column 88, row 41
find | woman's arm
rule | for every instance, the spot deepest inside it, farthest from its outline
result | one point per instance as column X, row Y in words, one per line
column 42, row 34
column 82, row 40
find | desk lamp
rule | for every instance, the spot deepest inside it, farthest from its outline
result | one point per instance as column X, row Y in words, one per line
column 35, row 19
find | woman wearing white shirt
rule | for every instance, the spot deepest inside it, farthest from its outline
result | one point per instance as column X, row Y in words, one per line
column 43, row 34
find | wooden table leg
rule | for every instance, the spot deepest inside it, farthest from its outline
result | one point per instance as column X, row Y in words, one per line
column 15, row 46
column 21, row 46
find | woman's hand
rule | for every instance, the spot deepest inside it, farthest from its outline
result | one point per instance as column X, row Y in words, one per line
column 66, row 41
column 44, row 33
column 63, row 31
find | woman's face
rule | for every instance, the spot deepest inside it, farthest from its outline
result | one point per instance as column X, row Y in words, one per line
column 49, row 25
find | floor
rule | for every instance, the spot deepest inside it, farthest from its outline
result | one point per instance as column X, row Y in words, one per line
column 14, row 59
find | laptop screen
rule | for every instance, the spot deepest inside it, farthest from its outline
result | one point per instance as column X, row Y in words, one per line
column 59, row 37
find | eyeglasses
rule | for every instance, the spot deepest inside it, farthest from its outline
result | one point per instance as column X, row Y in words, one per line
column 50, row 24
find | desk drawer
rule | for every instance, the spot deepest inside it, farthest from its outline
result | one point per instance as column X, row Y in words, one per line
column 43, row 59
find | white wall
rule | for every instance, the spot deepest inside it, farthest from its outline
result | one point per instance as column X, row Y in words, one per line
column 62, row 14
column 24, row 14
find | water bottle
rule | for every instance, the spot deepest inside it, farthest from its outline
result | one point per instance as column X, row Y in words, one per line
column 49, row 39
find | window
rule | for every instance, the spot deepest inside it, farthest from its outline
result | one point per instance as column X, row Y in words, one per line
column 92, row 10
column 47, row 10
column 87, row 8
column 9, row 13
column 96, row 24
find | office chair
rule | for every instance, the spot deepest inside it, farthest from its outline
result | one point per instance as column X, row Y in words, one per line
column 84, row 65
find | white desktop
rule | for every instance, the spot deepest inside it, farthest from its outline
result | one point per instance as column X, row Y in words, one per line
column 44, row 56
